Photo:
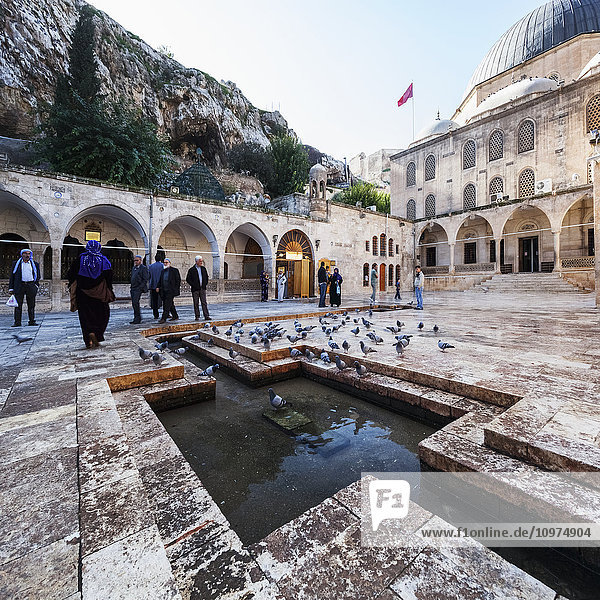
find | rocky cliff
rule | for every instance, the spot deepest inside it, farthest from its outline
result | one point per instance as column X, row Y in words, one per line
column 190, row 106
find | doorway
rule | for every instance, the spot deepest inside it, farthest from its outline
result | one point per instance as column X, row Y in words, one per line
column 382, row 277
column 529, row 255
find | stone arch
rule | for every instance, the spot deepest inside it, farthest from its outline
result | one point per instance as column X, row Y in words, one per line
column 296, row 256
column 433, row 250
column 577, row 234
column 242, row 262
column 186, row 236
column 474, row 243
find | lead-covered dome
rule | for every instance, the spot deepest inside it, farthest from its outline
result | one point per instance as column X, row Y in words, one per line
column 438, row 127
column 542, row 29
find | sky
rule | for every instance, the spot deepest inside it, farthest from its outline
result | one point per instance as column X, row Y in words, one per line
column 335, row 69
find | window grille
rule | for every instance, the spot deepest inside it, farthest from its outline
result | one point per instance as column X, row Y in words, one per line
column 382, row 244
column 470, row 254
column 431, row 256
column 391, row 247
column 496, row 186
column 526, row 136
column 469, row 155
column 375, row 246
column 397, row 272
column 366, row 274
column 430, row 206
column 430, row 168
column 592, row 113
column 367, row 246
column 591, row 246
column 496, row 145
column 469, row 197
column 526, row 184
column 411, row 174
column 590, row 174
column 411, row 210
column 391, row 276
column 555, row 76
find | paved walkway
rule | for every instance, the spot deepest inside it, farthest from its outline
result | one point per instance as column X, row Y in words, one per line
column 91, row 486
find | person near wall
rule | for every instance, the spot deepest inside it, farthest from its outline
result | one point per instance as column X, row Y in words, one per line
column 264, row 286
column 139, row 285
column 397, row 296
column 169, row 286
column 335, row 288
column 24, row 283
column 156, row 270
column 374, row 280
column 322, row 278
column 197, row 277
column 281, row 283
column 419, row 282
column 90, row 280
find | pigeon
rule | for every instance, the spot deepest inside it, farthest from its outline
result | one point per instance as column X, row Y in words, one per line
column 309, row 355
column 371, row 335
column 179, row 351
column 370, row 312
column 345, row 345
column 355, row 321
column 357, row 310
column 254, row 338
column 229, row 332
column 443, row 346
column 400, row 325
column 215, row 330
column 377, row 339
column 206, row 325
column 328, row 315
column 162, row 346
column 158, row 359
column 266, row 343
column 366, row 323
column 210, row 343
column 325, row 357
column 420, row 326
column 236, row 338
column 366, row 349
column 345, row 313
column 399, row 347
column 335, row 317
column 238, row 324
column 328, row 331
column 355, row 331
column 361, row 370
column 144, row 354
column 485, row 289
column 404, row 338
column 209, row 371
column 392, row 328
column 276, row 401
column 435, row 329
column 332, row 344
column 304, row 335
column 294, row 352
column 195, row 337
column 233, row 354
column 240, row 332
column 293, row 338
column 309, row 328
column 340, row 364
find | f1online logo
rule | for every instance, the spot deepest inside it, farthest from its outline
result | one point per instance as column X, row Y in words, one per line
column 389, row 499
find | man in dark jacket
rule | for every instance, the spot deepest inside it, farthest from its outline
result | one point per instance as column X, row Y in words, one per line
column 156, row 270
column 139, row 285
column 24, row 283
column 168, row 287
column 197, row 277
column 322, row 276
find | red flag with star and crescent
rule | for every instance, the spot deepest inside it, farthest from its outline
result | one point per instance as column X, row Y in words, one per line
column 406, row 96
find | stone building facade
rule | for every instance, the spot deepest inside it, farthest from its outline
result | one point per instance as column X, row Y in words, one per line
column 506, row 185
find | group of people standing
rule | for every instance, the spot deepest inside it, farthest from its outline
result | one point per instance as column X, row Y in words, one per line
column 334, row 281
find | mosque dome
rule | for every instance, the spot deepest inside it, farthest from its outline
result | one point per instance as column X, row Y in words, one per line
column 591, row 67
column 318, row 171
column 541, row 30
column 437, row 127
column 514, row 91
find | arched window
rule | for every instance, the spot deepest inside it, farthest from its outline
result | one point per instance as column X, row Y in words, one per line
column 322, row 189
column 430, row 168
column 469, row 197
column 225, row 270
column 526, row 137
column 375, row 245
column 469, row 155
column 496, row 188
column 365, row 274
column 592, row 114
column 397, row 272
column 430, row 206
column 526, row 183
column 391, row 275
column 554, row 75
column 391, row 247
column 382, row 244
column 367, row 246
column 411, row 174
column 411, row 210
column 496, row 145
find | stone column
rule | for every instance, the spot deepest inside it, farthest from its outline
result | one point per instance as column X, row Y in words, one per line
column 556, row 240
column 497, row 241
column 452, row 268
column 596, row 169
column 56, row 288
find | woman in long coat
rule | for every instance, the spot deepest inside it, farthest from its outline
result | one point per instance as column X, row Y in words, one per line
column 281, row 281
column 264, row 286
column 90, row 278
column 335, row 288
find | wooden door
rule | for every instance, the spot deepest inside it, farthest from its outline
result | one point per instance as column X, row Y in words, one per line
column 382, row 277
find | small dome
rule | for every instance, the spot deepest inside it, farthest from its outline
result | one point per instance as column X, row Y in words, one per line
column 318, row 171
column 514, row 91
column 591, row 67
column 438, row 127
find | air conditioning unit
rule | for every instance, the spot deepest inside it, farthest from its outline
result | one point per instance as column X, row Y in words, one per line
column 496, row 197
column 174, row 189
column 543, row 186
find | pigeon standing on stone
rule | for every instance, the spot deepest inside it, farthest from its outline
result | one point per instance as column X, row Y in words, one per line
column 210, row 343
column 392, row 329
column 215, row 330
column 275, row 400
column 325, row 357
column 435, row 329
column 361, row 370
column 254, row 338
column 443, row 346
column 266, row 343
column 400, row 325
column 310, row 355
column 293, row 338
column 179, row 351
column 229, row 332
column 345, row 345
column 294, row 352
column 237, row 338
column 209, row 371
column 333, row 345
column 340, row 364
column 162, row 346
column 233, row 354
column 366, row 349
column 158, row 359
column 144, row 354
column 420, row 326
column 356, row 330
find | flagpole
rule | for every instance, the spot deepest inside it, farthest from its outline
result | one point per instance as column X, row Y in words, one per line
column 413, row 111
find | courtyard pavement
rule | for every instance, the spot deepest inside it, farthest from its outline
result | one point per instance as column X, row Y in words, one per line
column 96, row 500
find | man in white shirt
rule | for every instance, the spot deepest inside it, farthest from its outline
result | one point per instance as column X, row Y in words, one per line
column 419, row 282
column 24, row 284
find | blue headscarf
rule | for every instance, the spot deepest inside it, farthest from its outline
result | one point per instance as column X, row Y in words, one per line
column 18, row 263
column 92, row 262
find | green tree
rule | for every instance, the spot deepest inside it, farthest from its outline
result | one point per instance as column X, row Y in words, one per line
column 83, row 134
column 254, row 159
column 367, row 194
column 290, row 166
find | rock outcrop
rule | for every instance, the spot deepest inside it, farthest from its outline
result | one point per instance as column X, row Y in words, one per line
column 188, row 105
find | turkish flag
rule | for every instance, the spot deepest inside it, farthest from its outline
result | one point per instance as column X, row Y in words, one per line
column 407, row 94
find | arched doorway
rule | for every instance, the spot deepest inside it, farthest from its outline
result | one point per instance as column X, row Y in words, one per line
column 577, row 236
column 10, row 246
column 475, row 245
column 295, row 257
column 248, row 253
column 433, row 251
column 382, row 277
